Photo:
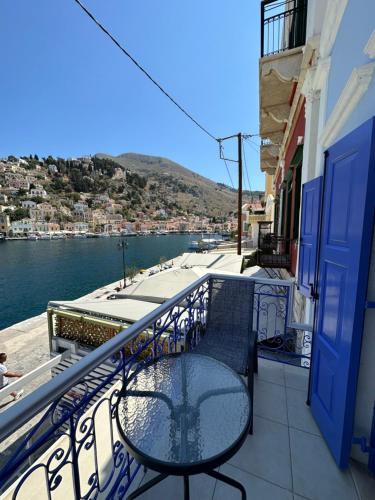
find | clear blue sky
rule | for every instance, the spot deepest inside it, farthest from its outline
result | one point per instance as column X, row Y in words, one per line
column 66, row 90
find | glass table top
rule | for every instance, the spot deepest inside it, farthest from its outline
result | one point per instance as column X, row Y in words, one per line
column 184, row 409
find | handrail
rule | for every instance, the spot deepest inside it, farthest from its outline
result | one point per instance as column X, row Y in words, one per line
column 29, row 377
column 32, row 404
column 26, row 408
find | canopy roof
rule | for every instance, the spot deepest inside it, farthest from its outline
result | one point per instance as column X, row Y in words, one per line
column 224, row 262
column 126, row 310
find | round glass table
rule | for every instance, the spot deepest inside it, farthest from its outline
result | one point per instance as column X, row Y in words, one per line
column 184, row 414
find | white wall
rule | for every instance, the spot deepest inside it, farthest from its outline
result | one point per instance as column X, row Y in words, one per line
column 347, row 27
column 355, row 29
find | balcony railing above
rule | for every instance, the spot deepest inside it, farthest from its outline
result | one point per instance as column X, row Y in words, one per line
column 72, row 448
column 283, row 25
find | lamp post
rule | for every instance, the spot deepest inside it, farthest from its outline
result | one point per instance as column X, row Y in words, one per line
column 123, row 244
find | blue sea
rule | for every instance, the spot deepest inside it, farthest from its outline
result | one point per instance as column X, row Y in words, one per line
column 34, row 272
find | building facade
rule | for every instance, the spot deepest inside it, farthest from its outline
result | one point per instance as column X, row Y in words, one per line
column 317, row 100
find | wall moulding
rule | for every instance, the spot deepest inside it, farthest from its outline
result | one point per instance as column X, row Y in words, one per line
column 369, row 49
column 354, row 90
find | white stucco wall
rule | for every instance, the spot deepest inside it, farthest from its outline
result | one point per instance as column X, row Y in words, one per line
column 356, row 27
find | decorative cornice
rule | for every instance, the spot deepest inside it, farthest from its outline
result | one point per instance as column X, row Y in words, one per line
column 355, row 88
column 369, row 50
column 332, row 19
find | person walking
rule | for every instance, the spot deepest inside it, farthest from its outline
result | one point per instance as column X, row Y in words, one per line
column 6, row 374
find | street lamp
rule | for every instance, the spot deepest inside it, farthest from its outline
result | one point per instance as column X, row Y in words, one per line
column 123, row 244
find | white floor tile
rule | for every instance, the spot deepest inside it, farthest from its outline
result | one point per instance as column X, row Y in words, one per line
column 299, row 414
column 266, row 453
column 364, row 481
column 172, row 488
column 256, row 488
column 296, row 377
column 315, row 474
column 270, row 401
column 270, row 371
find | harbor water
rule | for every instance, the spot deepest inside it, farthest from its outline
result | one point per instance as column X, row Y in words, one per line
column 35, row 272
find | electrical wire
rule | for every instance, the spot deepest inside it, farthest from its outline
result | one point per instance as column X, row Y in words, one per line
column 228, row 171
column 134, row 61
column 247, row 170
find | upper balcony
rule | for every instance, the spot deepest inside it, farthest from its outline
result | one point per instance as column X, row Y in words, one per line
column 283, row 32
column 65, row 442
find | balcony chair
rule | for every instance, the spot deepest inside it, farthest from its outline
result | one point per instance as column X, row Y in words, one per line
column 228, row 335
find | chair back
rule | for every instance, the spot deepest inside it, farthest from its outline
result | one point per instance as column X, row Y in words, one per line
column 230, row 306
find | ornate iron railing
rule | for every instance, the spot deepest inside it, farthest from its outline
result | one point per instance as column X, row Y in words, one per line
column 65, row 431
column 283, row 25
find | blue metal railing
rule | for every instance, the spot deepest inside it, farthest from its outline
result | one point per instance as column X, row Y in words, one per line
column 76, row 408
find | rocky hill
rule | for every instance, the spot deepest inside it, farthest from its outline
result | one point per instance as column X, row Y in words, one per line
column 171, row 185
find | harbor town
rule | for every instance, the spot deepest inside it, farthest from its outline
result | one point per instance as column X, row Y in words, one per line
column 204, row 332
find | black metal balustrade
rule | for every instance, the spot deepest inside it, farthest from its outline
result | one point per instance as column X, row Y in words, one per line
column 273, row 250
column 283, row 25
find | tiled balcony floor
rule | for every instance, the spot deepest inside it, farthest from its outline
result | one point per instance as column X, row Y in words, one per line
column 286, row 457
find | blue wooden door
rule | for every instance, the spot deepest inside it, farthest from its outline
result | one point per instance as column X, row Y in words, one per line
column 344, row 255
column 310, row 219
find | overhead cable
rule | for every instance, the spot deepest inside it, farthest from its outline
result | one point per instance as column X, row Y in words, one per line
column 146, row 73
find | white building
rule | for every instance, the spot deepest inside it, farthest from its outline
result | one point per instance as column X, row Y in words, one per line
column 22, row 227
column 28, row 204
column 52, row 169
column 38, row 191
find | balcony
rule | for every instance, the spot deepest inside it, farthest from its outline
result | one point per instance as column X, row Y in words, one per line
column 273, row 249
column 283, row 31
column 65, row 442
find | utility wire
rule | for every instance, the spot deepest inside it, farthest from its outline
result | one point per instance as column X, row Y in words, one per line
column 222, row 156
column 247, row 170
column 143, row 70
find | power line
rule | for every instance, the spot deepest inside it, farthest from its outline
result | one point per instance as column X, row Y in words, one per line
column 246, row 170
column 143, row 70
column 226, row 165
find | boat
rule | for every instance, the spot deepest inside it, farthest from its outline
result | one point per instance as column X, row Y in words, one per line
column 44, row 236
column 115, row 234
column 125, row 232
column 32, row 237
column 91, row 235
column 58, row 236
column 103, row 235
column 2, row 237
column 79, row 235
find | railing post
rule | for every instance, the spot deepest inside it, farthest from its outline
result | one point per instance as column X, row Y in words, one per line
column 75, row 468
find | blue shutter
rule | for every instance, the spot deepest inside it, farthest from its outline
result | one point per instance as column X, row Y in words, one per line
column 310, row 217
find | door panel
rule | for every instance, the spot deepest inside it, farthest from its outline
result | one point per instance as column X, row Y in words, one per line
column 345, row 242
column 311, row 200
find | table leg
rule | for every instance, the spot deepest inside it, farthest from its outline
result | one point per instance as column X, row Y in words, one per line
column 146, row 486
column 228, row 480
column 186, row 488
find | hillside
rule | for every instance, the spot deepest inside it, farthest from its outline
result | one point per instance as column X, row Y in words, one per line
column 172, row 185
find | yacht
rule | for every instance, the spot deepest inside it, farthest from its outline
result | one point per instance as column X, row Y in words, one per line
column 44, row 236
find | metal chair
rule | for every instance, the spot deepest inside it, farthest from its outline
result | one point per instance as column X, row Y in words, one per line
column 229, row 336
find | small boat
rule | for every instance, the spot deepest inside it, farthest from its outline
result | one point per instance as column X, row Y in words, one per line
column 91, row 235
column 116, row 234
column 79, row 235
column 103, row 235
column 58, row 236
column 45, row 236
column 33, row 237
column 2, row 237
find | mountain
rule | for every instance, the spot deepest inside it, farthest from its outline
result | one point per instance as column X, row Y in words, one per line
column 171, row 184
